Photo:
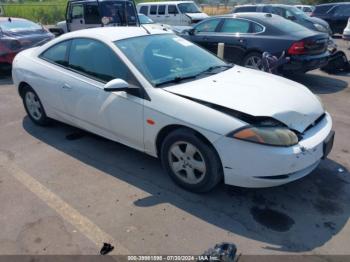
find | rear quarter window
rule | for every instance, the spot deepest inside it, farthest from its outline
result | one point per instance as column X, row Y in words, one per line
column 57, row 54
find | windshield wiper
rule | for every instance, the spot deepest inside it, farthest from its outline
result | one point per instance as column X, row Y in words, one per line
column 210, row 69
column 175, row 80
column 180, row 78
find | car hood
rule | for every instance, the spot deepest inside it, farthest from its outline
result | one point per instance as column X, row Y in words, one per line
column 316, row 20
column 257, row 94
column 197, row 16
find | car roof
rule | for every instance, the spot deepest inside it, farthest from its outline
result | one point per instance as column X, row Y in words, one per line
column 258, row 17
column 331, row 4
column 281, row 5
column 164, row 3
column 112, row 34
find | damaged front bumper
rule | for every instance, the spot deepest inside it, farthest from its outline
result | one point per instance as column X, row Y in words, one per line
column 252, row 165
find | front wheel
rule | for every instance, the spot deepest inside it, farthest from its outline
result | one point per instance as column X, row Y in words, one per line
column 190, row 161
column 34, row 107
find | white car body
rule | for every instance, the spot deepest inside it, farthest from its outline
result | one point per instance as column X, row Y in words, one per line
column 307, row 9
column 174, row 19
column 86, row 105
column 346, row 33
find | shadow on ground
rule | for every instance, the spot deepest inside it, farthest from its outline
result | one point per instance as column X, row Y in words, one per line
column 321, row 84
column 5, row 78
column 296, row 217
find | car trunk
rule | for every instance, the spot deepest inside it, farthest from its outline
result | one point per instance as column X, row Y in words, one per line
column 316, row 45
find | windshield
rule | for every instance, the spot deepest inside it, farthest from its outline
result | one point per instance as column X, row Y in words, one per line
column 19, row 25
column 119, row 13
column 166, row 57
column 145, row 19
column 297, row 12
column 188, row 8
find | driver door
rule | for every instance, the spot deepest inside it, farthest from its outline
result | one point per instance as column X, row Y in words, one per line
column 205, row 34
column 115, row 115
column 75, row 19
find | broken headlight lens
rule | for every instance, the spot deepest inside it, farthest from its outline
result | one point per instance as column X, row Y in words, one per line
column 267, row 135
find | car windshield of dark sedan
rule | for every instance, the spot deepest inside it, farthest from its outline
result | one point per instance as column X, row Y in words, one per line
column 145, row 19
column 188, row 8
column 19, row 25
column 297, row 12
column 168, row 58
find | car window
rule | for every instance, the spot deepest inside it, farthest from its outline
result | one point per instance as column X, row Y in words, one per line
column 92, row 15
column 172, row 9
column 77, row 11
column 57, row 53
column 307, row 9
column 188, row 8
column 343, row 10
column 208, row 26
column 279, row 11
column 145, row 19
column 256, row 28
column 235, row 26
column 153, row 10
column 120, row 13
column 161, row 9
column 322, row 9
column 97, row 60
column 144, row 10
column 245, row 9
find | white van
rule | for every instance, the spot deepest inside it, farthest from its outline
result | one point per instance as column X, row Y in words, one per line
column 176, row 13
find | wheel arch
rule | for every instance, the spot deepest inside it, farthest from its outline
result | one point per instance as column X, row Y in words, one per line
column 21, row 87
column 162, row 134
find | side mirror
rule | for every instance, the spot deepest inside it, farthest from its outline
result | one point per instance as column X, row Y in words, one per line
column 191, row 31
column 116, row 85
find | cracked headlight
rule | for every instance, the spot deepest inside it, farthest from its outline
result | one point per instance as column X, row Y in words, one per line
column 267, row 135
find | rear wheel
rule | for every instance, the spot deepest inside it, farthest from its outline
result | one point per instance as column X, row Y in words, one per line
column 190, row 162
column 34, row 107
column 253, row 60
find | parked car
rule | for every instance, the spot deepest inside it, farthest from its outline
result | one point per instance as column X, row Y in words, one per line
column 307, row 9
column 147, row 22
column 247, row 35
column 288, row 12
column 336, row 14
column 83, row 14
column 17, row 34
column 158, row 93
column 178, row 13
column 2, row 13
column 346, row 33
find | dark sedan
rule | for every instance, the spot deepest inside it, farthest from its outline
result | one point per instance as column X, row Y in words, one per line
column 17, row 34
column 247, row 35
column 336, row 14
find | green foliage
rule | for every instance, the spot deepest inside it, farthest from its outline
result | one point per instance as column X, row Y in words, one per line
column 45, row 12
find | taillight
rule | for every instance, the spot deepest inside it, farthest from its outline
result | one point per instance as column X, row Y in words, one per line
column 297, row 48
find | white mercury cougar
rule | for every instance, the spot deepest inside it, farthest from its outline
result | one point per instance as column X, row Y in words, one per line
column 158, row 93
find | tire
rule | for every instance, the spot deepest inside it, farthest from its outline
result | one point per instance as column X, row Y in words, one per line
column 249, row 58
column 183, row 151
column 34, row 107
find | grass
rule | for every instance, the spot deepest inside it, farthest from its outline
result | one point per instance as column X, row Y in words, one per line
column 49, row 12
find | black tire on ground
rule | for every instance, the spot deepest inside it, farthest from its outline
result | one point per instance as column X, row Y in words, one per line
column 182, row 139
column 39, row 118
column 249, row 56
